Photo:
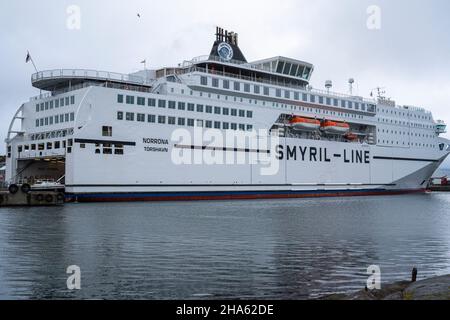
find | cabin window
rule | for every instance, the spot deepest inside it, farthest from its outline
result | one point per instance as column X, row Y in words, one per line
column 119, row 115
column 57, row 145
column 216, row 124
column 208, row 109
column 249, row 114
column 37, row 122
column 242, row 113
column 161, row 119
column 200, row 123
column 234, row 112
column 72, row 100
column 72, row 116
column 130, row 100
column 151, row 102
column 246, row 87
column 46, row 121
column 141, row 117
column 237, row 86
column 216, row 110
column 106, row 131
column 287, row 94
column 37, row 108
column 278, row 92
column 191, row 107
column 215, row 82
column 129, row 116
column 118, row 151
column 181, row 121
column 141, row 101
column 226, row 84
column 181, row 106
column 233, row 126
column 249, row 127
column 151, row 118
column 190, row 122
column 171, row 120
column 320, row 99
column 161, row 103
column 120, row 98
column 67, row 101
column 242, row 127
column 46, row 105
column 172, row 104
column 226, row 111
column 208, row 124
column 61, row 102
column 329, row 101
column 51, row 104
column 107, row 150
column 204, row 81
column 257, row 89
column 266, row 91
column 56, row 103
column 50, row 119
column 225, row 125
column 199, row 108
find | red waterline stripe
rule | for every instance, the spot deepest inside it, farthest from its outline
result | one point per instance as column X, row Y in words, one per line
column 248, row 196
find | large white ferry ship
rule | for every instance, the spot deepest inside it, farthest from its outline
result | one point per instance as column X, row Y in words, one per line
column 217, row 127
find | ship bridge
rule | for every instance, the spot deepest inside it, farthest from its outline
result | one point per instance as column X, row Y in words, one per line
column 226, row 58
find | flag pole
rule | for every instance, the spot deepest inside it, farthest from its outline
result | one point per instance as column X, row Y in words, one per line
column 32, row 61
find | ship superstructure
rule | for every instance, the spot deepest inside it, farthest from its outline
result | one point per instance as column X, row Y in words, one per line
column 115, row 137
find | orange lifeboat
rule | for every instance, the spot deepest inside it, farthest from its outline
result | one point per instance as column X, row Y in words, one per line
column 350, row 136
column 335, row 127
column 300, row 123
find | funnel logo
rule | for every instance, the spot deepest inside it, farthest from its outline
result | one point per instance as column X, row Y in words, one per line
column 225, row 51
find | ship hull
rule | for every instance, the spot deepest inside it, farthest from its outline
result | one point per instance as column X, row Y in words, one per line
column 237, row 195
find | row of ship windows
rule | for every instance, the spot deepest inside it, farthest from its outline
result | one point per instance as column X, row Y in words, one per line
column 186, row 106
column 42, row 146
column 406, row 133
column 59, row 118
column 404, row 114
column 405, row 123
column 424, row 145
column 151, row 118
column 287, row 94
column 49, row 105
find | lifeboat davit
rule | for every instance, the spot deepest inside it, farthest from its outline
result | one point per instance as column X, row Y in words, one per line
column 300, row 123
column 335, row 127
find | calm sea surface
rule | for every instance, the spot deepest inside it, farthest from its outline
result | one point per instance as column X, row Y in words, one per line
column 280, row 249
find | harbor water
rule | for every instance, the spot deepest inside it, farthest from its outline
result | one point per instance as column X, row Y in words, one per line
column 277, row 249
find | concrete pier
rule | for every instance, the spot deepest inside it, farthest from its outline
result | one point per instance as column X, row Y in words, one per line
column 32, row 198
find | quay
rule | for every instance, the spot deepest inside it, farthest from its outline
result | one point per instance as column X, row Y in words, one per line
column 13, row 197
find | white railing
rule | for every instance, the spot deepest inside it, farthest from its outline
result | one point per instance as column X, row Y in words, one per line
column 87, row 74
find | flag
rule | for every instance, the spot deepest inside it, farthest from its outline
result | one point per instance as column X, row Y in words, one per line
column 143, row 61
column 28, row 57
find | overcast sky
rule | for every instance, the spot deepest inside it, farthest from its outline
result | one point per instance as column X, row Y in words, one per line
column 409, row 55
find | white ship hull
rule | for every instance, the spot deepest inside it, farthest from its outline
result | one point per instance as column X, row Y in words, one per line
column 110, row 137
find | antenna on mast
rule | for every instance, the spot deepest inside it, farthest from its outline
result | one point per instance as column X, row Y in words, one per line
column 351, row 81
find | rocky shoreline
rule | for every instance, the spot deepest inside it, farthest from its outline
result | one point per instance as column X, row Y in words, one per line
column 436, row 288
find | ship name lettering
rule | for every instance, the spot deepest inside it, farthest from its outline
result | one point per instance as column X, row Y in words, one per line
column 155, row 141
column 315, row 154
